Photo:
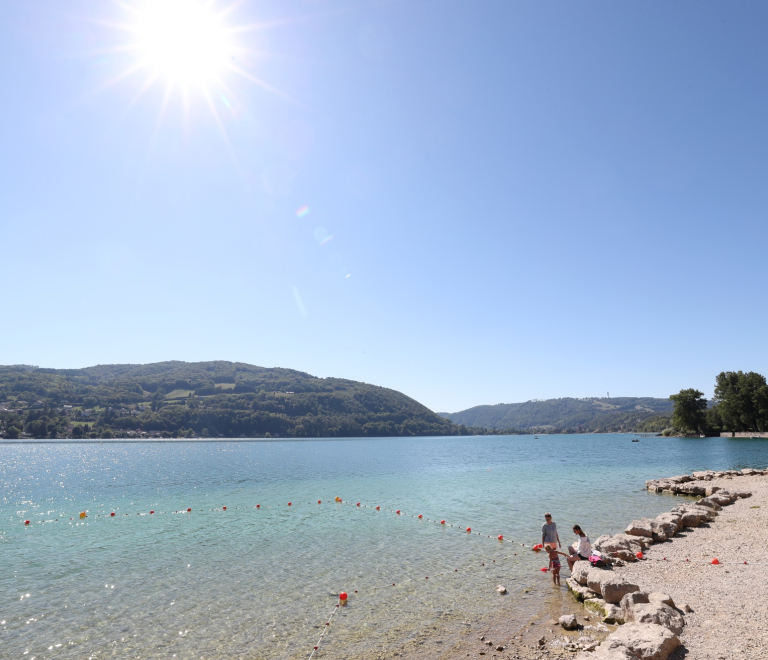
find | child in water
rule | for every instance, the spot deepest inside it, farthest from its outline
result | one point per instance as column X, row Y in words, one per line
column 554, row 563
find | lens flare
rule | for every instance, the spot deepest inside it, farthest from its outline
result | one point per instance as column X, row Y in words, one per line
column 301, row 212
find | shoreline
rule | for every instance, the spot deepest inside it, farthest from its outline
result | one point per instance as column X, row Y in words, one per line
column 704, row 603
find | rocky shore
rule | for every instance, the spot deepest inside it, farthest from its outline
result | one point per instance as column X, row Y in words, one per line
column 661, row 595
column 674, row 589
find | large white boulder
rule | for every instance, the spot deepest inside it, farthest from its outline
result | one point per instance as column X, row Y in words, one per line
column 646, row 641
column 580, row 570
column 640, row 527
column 658, row 613
column 595, row 578
column 614, row 588
column 615, row 546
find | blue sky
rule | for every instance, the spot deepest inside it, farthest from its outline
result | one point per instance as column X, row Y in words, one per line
column 506, row 200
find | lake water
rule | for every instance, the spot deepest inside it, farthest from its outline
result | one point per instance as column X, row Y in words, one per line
column 261, row 583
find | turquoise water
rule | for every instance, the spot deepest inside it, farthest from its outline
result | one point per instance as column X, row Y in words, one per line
column 260, row 583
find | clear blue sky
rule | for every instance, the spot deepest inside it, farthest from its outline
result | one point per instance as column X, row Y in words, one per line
column 523, row 199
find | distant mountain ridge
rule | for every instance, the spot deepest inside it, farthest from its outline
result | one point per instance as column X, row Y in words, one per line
column 203, row 399
column 569, row 414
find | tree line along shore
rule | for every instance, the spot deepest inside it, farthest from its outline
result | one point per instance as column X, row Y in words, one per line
column 237, row 400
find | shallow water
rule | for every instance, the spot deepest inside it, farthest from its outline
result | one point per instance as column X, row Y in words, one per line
column 261, row 583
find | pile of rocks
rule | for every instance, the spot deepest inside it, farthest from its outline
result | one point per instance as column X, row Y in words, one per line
column 682, row 485
column 641, row 533
column 649, row 622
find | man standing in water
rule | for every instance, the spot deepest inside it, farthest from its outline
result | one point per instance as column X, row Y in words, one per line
column 549, row 535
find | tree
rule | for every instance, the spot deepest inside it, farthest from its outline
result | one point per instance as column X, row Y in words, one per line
column 12, row 433
column 742, row 400
column 690, row 408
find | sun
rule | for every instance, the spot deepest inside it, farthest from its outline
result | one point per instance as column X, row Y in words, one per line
column 192, row 48
column 184, row 41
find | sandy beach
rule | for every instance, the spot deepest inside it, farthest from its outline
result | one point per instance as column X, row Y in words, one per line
column 729, row 600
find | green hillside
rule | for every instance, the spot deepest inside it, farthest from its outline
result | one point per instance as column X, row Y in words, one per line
column 205, row 399
column 571, row 415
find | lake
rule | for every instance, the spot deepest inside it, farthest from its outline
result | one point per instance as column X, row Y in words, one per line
column 248, row 582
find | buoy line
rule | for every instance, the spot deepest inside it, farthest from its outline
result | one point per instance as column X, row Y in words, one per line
column 359, row 505
column 327, row 625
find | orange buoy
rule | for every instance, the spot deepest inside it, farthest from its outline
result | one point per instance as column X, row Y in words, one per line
column 537, row 548
column 420, row 516
column 442, row 522
column 26, row 522
column 501, row 537
column 112, row 514
column 639, row 555
column 343, row 598
column 83, row 514
column 715, row 561
column 469, row 529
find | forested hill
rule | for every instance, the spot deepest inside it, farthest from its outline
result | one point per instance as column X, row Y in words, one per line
column 575, row 415
column 205, row 399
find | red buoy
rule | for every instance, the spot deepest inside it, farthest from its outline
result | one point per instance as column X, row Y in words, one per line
column 189, row 510
column 420, row 516
column 378, row 508
column 343, row 597
column 469, row 529
column 289, row 504
column 358, row 504
column 112, row 514
column 319, row 502
column 26, row 522
column 442, row 522
column 258, row 506
column 745, row 562
column 543, row 570
column 224, row 508
column 501, row 537
column 715, row 561
column 153, row 511
column 398, row 512
column 639, row 555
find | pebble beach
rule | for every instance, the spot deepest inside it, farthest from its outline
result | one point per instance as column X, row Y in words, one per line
column 724, row 604
column 730, row 599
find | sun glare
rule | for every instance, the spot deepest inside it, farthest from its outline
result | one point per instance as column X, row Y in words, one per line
column 193, row 48
column 183, row 40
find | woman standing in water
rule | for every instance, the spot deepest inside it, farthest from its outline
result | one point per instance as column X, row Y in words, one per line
column 549, row 535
